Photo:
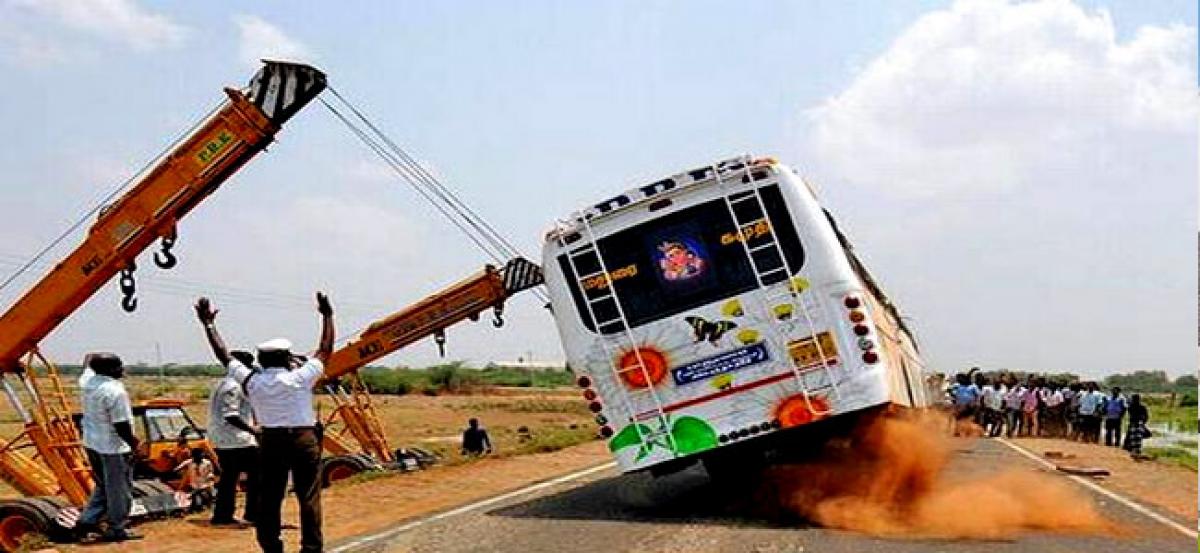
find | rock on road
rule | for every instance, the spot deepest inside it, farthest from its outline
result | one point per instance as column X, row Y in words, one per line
column 606, row 511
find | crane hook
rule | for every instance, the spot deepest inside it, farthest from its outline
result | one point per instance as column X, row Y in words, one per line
column 128, row 288
column 439, row 338
column 167, row 259
column 498, row 317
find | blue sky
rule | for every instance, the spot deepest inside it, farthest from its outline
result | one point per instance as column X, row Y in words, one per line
column 982, row 154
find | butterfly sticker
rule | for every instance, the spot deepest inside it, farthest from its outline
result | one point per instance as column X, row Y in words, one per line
column 712, row 331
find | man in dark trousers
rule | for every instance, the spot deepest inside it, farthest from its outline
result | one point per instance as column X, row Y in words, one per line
column 282, row 398
column 109, row 443
column 233, row 435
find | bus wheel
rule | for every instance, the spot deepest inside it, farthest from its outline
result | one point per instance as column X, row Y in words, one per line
column 340, row 468
column 22, row 521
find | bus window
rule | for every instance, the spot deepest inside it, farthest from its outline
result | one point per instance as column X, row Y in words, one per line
column 683, row 260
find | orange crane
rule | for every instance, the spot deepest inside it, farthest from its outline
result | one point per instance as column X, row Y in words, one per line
column 353, row 413
column 46, row 461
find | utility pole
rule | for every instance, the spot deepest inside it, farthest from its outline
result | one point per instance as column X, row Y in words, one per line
column 158, row 358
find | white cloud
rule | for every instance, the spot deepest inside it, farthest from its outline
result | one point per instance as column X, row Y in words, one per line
column 118, row 20
column 262, row 40
column 985, row 95
column 1025, row 183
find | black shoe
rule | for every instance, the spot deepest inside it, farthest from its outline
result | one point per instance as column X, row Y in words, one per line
column 82, row 531
column 124, row 535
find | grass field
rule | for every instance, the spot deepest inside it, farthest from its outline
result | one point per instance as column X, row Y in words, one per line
column 1182, row 419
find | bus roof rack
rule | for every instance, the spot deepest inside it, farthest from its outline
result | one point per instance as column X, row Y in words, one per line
column 643, row 193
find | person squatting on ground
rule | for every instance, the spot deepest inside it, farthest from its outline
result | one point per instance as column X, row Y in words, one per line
column 1114, row 411
column 281, row 396
column 110, row 444
column 198, row 479
column 233, row 435
column 475, row 441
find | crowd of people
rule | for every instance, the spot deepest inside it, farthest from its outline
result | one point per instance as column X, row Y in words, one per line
column 1003, row 404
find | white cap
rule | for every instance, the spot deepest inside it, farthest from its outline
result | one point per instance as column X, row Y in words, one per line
column 277, row 344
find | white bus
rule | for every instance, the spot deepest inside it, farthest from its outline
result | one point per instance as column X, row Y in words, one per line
column 721, row 307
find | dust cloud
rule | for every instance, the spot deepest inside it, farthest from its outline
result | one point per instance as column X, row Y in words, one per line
column 891, row 479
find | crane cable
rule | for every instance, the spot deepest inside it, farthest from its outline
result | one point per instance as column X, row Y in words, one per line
column 108, row 198
column 479, row 231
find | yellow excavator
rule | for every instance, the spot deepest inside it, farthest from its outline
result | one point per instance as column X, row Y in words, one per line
column 353, row 415
column 46, row 461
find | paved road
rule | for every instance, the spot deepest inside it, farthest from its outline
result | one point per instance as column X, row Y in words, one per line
column 609, row 512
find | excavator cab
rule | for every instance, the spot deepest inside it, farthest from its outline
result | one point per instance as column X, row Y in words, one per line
column 168, row 435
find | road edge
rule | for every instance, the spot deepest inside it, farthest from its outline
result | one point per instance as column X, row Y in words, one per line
column 371, row 539
column 1137, row 507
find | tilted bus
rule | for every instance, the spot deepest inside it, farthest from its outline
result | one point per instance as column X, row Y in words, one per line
column 720, row 309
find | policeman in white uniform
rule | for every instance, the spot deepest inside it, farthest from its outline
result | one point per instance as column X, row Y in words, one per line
column 282, row 399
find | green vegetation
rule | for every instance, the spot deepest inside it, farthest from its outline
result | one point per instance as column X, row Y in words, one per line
column 1167, row 409
column 1173, row 455
column 1154, row 382
column 457, row 377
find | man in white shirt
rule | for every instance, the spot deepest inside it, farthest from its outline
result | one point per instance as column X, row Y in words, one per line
column 282, row 399
column 109, row 443
column 1052, row 418
column 232, row 434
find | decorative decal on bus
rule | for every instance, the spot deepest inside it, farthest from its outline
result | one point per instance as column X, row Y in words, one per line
column 805, row 354
column 712, row 331
column 600, row 283
column 720, row 364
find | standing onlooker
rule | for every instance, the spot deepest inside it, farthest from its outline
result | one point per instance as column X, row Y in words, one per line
column 232, row 434
column 1138, row 417
column 1089, row 412
column 475, row 441
column 1052, row 401
column 1071, row 410
column 109, row 443
column 966, row 401
column 1029, row 409
column 993, row 405
column 1114, row 412
column 1013, row 401
column 281, row 396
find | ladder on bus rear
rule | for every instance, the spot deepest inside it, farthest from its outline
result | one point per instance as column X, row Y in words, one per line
column 767, row 260
column 609, row 305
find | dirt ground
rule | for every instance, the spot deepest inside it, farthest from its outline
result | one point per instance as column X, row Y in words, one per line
column 1168, row 487
column 355, row 508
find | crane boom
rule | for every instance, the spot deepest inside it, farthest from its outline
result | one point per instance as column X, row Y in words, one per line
column 192, row 169
column 465, row 299
column 244, row 125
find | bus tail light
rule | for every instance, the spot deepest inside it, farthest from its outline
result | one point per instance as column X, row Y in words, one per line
column 852, row 302
column 870, row 358
column 584, row 382
column 861, row 330
column 606, row 431
column 595, row 407
column 589, row 395
column 857, row 316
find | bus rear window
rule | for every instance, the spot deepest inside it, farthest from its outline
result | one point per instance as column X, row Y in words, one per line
column 681, row 261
